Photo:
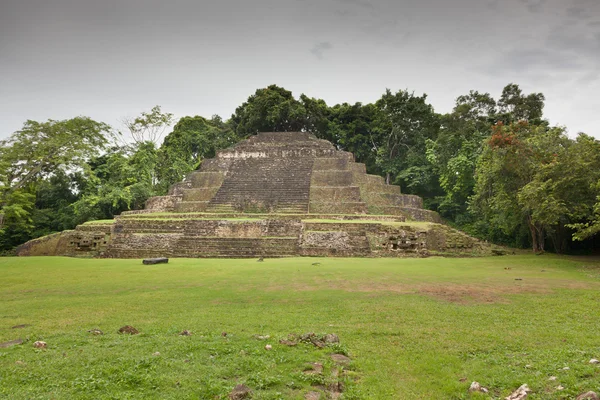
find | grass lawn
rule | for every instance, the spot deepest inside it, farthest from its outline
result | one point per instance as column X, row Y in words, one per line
column 413, row 328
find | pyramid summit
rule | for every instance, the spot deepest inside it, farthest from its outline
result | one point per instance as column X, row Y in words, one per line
column 275, row 194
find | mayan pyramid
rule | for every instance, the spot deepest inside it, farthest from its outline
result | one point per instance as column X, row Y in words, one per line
column 275, row 194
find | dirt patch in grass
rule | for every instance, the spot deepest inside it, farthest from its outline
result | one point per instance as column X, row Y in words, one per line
column 460, row 293
column 469, row 294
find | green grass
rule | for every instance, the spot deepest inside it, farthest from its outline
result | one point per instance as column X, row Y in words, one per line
column 414, row 328
column 100, row 222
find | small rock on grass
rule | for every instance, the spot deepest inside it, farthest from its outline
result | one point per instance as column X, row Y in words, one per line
column 476, row 387
column 588, row 396
column 40, row 345
column 552, row 378
column 185, row 333
column 340, row 359
column 331, row 338
column 96, row 331
column 240, row 392
column 316, row 369
column 268, row 347
column 261, row 337
column 594, row 361
column 520, row 393
column 129, row 330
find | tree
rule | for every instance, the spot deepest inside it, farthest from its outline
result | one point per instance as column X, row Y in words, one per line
column 121, row 179
column 404, row 123
column 41, row 152
column 41, row 148
column 536, row 177
column 514, row 106
column 351, row 127
column 317, row 116
column 149, row 126
column 454, row 153
column 272, row 109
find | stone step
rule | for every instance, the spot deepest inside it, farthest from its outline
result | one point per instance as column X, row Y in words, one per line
column 200, row 194
column 332, row 178
column 335, row 194
column 337, row 207
column 191, row 206
column 200, row 179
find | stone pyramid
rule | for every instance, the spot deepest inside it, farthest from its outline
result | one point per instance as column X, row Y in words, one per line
column 273, row 195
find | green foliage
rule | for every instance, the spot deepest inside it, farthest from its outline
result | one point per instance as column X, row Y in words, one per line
column 514, row 106
column 121, row 179
column 536, row 177
column 272, row 109
column 41, row 148
column 36, row 164
column 453, row 154
column 352, row 128
column 404, row 124
column 192, row 140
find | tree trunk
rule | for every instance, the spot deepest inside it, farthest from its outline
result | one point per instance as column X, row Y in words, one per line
column 537, row 236
column 387, row 178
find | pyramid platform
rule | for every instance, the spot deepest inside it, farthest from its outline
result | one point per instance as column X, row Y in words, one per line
column 273, row 195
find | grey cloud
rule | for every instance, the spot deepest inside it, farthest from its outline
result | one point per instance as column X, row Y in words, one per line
column 493, row 3
column 578, row 13
column 568, row 42
column 589, row 78
column 320, row 48
column 531, row 62
column 359, row 3
column 534, row 6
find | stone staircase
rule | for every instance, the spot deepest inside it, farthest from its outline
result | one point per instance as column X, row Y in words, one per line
column 265, row 185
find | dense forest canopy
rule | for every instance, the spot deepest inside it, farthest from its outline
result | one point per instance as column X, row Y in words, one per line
column 492, row 167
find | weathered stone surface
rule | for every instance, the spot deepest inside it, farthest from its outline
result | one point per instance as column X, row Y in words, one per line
column 340, row 359
column 476, row 387
column 588, row 396
column 240, row 392
column 314, row 369
column 152, row 261
column 128, row 329
column 521, row 393
column 40, row 344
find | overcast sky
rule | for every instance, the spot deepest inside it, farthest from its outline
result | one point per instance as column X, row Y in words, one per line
column 108, row 59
